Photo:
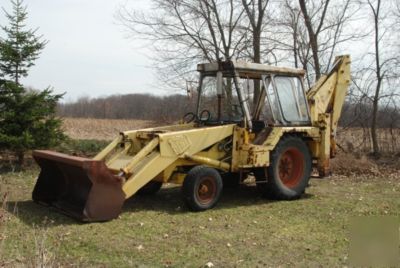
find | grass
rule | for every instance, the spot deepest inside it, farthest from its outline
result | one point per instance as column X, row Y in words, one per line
column 244, row 230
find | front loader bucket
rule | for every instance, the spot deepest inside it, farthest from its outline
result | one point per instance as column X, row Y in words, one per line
column 82, row 188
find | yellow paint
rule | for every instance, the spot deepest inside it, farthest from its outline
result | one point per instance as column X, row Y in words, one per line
column 208, row 161
column 161, row 153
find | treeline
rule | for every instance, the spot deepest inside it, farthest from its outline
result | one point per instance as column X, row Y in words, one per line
column 360, row 115
column 130, row 106
column 173, row 107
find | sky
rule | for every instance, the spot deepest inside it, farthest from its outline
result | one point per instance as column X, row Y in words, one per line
column 88, row 52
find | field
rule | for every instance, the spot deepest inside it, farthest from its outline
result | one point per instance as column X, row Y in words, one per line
column 100, row 129
column 244, row 230
column 350, row 139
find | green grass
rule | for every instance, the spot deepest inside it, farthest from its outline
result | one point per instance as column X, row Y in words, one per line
column 244, row 230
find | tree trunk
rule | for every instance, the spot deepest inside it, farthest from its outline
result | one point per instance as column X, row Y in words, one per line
column 257, row 59
column 379, row 77
column 313, row 39
column 16, row 75
column 296, row 64
column 375, row 145
column 229, row 102
column 20, row 158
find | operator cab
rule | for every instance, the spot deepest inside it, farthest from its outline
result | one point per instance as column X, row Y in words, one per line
column 226, row 95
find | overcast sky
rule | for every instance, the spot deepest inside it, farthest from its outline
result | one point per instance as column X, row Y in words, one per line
column 88, row 53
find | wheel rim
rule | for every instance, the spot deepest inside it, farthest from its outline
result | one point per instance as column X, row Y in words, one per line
column 291, row 167
column 206, row 190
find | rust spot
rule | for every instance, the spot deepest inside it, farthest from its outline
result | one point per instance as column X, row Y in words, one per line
column 323, row 168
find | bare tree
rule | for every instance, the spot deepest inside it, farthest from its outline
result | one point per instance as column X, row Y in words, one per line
column 185, row 32
column 291, row 36
column 375, row 82
column 315, row 30
column 384, row 61
column 291, row 20
column 376, row 9
column 256, row 11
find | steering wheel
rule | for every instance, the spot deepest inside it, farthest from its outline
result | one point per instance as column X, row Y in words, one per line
column 207, row 112
column 189, row 117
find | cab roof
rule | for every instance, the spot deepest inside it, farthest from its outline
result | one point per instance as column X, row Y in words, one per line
column 246, row 69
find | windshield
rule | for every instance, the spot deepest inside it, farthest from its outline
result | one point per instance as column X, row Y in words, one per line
column 230, row 106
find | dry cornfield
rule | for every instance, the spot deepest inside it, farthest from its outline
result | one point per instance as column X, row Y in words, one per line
column 349, row 139
column 100, row 129
column 359, row 140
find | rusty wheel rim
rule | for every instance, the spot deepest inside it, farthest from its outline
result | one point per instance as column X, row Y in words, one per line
column 291, row 167
column 206, row 190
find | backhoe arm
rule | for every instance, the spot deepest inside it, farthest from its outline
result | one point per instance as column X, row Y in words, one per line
column 328, row 94
column 326, row 100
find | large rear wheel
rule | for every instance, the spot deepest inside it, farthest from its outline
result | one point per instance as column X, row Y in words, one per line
column 202, row 188
column 289, row 171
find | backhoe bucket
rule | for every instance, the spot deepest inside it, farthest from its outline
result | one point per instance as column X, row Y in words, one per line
column 80, row 187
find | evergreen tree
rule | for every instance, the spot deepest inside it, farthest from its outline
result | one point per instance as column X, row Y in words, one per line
column 21, row 47
column 27, row 117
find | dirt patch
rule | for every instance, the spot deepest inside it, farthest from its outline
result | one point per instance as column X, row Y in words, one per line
column 362, row 164
column 348, row 164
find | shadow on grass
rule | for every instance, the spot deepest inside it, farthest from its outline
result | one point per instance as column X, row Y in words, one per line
column 32, row 213
column 170, row 200
column 167, row 200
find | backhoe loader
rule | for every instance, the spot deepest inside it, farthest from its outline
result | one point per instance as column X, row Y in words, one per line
column 279, row 135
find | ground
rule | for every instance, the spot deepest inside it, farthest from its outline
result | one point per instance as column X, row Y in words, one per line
column 243, row 230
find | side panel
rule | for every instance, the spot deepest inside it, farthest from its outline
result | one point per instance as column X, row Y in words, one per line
column 192, row 141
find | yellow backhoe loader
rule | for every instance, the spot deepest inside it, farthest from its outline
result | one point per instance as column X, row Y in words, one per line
column 279, row 136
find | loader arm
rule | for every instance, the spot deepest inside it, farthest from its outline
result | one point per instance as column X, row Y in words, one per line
column 166, row 149
column 95, row 189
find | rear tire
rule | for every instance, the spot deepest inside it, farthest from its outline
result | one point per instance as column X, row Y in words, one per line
column 289, row 171
column 150, row 188
column 202, row 188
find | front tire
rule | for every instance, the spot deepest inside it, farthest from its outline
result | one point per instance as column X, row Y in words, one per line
column 289, row 171
column 202, row 188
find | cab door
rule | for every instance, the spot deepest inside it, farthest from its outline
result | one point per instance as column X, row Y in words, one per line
column 285, row 101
